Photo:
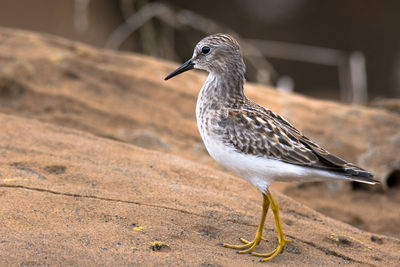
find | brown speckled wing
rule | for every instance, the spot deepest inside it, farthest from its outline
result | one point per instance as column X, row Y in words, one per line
column 255, row 130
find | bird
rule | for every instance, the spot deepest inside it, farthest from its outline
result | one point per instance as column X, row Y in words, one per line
column 252, row 141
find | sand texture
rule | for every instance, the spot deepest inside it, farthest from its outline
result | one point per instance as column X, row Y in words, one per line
column 100, row 158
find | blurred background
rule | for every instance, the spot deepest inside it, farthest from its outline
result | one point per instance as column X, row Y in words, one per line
column 341, row 50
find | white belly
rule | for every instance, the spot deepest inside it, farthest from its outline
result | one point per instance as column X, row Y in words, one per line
column 261, row 171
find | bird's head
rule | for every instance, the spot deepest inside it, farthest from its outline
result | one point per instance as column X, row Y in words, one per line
column 218, row 54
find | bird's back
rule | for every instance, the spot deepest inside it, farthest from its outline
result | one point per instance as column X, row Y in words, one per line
column 255, row 130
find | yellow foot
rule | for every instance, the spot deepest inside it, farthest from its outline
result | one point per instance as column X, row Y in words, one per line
column 269, row 256
column 247, row 242
column 247, row 247
column 250, row 246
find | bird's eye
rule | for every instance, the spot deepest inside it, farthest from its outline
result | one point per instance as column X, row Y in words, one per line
column 205, row 50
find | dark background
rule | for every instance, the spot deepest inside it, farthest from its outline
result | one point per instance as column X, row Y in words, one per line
column 368, row 26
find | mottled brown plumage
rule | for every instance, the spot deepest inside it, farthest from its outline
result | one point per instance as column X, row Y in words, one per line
column 225, row 112
column 251, row 140
column 255, row 130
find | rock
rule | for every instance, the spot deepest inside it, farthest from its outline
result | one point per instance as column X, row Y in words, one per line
column 65, row 189
column 121, row 96
column 104, row 202
column 389, row 104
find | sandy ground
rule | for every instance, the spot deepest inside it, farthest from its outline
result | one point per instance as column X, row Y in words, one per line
column 76, row 198
column 73, row 198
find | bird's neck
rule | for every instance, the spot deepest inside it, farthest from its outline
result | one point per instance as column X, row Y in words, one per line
column 223, row 87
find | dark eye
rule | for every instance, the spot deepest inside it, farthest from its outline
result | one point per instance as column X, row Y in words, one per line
column 205, row 49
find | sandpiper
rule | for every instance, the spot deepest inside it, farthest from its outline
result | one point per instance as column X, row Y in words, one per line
column 252, row 141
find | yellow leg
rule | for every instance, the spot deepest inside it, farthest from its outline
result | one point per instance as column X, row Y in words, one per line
column 281, row 239
column 250, row 246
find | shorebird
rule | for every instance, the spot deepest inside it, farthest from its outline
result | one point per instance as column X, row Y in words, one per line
column 252, row 141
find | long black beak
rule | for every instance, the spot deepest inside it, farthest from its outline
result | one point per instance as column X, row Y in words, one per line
column 188, row 65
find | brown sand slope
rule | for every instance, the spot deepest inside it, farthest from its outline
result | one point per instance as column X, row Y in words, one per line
column 124, row 96
column 72, row 198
